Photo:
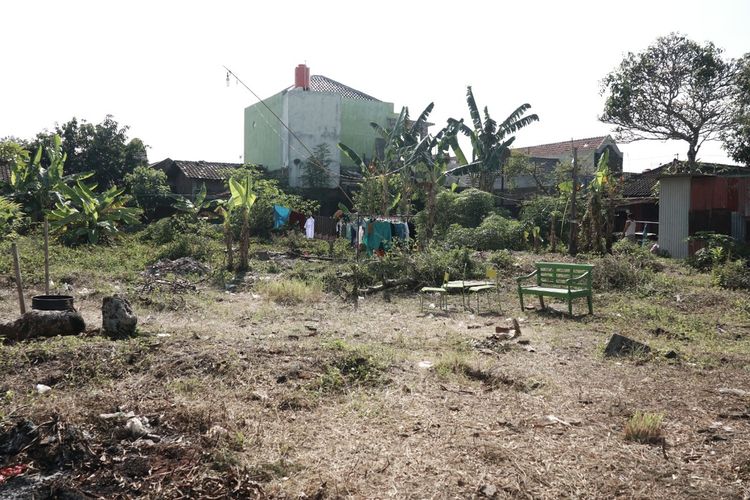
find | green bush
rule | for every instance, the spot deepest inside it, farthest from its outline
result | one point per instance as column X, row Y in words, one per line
column 10, row 216
column 466, row 209
column 189, row 245
column 617, row 273
column 171, row 228
column 494, row 233
column 501, row 259
column 149, row 189
column 537, row 212
column 733, row 274
column 637, row 255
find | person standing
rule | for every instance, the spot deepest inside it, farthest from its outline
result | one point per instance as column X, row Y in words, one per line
column 629, row 229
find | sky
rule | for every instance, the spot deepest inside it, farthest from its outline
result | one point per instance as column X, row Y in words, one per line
column 157, row 66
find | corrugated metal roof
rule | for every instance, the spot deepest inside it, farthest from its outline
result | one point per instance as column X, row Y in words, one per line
column 565, row 148
column 208, row 170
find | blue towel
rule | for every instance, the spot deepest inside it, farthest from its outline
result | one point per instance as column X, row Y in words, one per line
column 280, row 215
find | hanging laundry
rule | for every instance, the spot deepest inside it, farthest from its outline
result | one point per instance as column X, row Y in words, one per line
column 378, row 236
column 297, row 220
column 310, row 228
column 280, row 216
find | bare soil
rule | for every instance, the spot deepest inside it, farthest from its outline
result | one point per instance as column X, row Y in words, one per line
column 247, row 398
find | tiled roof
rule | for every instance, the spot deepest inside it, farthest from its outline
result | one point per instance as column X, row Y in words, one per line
column 639, row 186
column 565, row 148
column 320, row 83
column 207, row 170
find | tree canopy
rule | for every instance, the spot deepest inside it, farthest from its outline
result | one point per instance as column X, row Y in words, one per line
column 675, row 89
column 737, row 137
column 102, row 148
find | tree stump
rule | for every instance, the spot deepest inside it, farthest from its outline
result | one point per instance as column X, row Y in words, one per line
column 37, row 323
column 118, row 319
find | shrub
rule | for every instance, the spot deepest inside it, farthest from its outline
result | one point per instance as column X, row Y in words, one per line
column 466, row 209
column 10, row 216
column 494, row 233
column 615, row 273
column 644, row 428
column 167, row 230
column 637, row 255
column 733, row 274
column 149, row 188
column 502, row 259
column 189, row 245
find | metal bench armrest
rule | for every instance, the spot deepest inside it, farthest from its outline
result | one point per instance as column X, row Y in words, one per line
column 528, row 276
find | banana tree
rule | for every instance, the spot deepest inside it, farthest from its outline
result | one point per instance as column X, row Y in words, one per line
column 36, row 187
column 243, row 200
column 597, row 224
column 223, row 210
column 490, row 142
column 82, row 215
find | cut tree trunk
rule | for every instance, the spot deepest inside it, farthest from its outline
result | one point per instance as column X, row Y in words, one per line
column 36, row 323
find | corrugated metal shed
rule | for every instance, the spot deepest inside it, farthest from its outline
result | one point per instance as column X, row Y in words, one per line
column 674, row 207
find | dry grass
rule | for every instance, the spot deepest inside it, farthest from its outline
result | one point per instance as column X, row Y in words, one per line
column 290, row 291
column 250, row 397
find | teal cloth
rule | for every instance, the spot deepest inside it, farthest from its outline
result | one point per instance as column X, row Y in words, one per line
column 381, row 233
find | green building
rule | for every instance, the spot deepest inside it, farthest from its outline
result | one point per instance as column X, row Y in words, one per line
column 316, row 110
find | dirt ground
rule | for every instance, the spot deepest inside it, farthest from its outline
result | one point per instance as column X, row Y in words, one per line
column 242, row 397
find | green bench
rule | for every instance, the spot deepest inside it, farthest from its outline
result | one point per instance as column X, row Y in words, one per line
column 556, row 279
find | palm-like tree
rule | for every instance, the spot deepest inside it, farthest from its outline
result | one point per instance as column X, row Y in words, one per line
column 490, row 142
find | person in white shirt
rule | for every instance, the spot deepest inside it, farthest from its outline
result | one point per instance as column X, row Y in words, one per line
column 310, row 228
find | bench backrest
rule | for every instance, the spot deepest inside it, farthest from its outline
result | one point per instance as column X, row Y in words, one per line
column 555, row 274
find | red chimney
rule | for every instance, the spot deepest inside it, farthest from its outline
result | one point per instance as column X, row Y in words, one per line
column 302, row 77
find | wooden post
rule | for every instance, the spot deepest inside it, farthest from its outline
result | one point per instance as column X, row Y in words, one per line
column 46, row 257
column 573, row 243
column 19, row 285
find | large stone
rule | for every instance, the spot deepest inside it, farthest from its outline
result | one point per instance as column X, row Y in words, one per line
column 118, row 318
column 37, row 323
column 623, row 346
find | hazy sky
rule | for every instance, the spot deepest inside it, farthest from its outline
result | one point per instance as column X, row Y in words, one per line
column 157, row 66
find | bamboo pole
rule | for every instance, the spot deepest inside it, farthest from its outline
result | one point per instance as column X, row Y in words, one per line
column 46, row 257
column 19, row 285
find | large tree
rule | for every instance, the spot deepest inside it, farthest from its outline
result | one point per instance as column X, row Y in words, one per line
column 102, row 148
column 675, row 89
column 737, row 137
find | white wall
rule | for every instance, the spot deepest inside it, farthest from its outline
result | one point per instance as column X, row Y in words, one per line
column 674, row 211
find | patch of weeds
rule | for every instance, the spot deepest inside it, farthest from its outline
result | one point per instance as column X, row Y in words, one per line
column 291, row 292
column 450, row 364
column 265, row 472
column 644, row 428
column 299, row 400
column 352, row 366
column 458, row 364
column 185, row 386
column 336, row 345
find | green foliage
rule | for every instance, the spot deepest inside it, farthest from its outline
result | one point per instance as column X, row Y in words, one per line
column 717, row 249
column 597, row 223
column 732, row 274
column 103, row 149
column 268, row 193
column 316, row 168
column 737, row 137
column 539, row 212
column 675, row 89
column 170, row 228
column 494, row 233
column 82, row 215
column 199, row 247
column 291, row 291
column 35, row 186
column 149, row 189
column 489, row 141
column 501, row 259
column 466, row 209
column 10, row 215
column 644, row 428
